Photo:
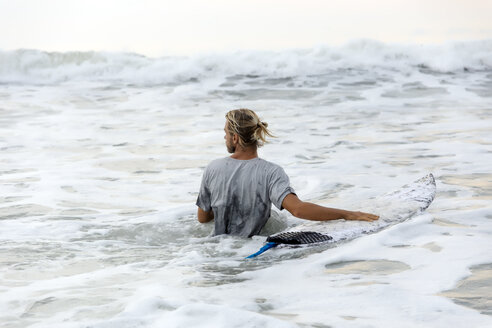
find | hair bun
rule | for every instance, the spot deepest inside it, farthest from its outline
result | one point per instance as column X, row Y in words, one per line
column 242, row 122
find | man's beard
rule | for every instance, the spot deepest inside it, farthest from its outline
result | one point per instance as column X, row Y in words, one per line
column 230, row 148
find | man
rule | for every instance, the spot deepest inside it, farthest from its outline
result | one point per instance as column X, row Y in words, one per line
column 237, row 191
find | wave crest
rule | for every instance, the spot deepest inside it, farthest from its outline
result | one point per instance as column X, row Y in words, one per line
column 40, row 67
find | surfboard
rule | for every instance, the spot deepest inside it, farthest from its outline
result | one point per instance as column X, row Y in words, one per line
column 392, row 208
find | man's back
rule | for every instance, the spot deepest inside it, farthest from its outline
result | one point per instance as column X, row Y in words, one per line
column 240, row 193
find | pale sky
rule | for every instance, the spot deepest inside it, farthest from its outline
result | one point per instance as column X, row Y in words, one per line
column 187, row 27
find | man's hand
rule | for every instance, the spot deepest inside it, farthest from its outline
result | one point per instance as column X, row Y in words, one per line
column 204, row 217
column 360, row 216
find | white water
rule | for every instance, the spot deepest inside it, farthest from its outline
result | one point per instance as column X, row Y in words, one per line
column 101, row 159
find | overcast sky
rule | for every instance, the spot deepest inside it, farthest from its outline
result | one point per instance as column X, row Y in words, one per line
column 184, row 27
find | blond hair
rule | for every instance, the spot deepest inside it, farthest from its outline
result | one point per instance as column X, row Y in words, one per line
column 248, row 126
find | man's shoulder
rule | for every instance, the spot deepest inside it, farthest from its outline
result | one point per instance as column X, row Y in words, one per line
column 270, row 164
column 215, row 166
column 219, row 163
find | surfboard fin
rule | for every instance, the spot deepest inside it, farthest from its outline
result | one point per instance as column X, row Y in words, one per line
column 263, row 249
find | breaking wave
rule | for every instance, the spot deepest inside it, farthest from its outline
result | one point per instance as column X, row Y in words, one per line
column 41, row 67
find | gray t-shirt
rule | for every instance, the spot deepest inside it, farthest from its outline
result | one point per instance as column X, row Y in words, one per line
column 241, row 193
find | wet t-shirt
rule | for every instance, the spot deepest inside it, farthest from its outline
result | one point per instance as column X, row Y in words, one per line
column 241, row 192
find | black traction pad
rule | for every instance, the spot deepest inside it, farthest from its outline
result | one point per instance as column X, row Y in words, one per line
column 298, row 237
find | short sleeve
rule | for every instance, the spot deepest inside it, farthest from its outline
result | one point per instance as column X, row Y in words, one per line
column 204, row 200
column 279, row 187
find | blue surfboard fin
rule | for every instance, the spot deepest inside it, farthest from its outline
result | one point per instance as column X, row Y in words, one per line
column 263, row 249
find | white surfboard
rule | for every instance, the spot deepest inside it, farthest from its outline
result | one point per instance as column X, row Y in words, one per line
column 392, row 208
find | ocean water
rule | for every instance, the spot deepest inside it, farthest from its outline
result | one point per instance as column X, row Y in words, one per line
column 101, row 156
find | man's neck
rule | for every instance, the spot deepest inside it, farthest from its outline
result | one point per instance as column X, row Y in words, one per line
column 245, row 153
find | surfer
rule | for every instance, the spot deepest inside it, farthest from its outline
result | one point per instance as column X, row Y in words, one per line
column 237, row 191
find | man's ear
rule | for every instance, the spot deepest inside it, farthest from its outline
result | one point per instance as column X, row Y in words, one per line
column 235, row 138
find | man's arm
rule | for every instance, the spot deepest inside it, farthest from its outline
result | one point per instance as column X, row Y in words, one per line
column 204, row 217
column 310, row 211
